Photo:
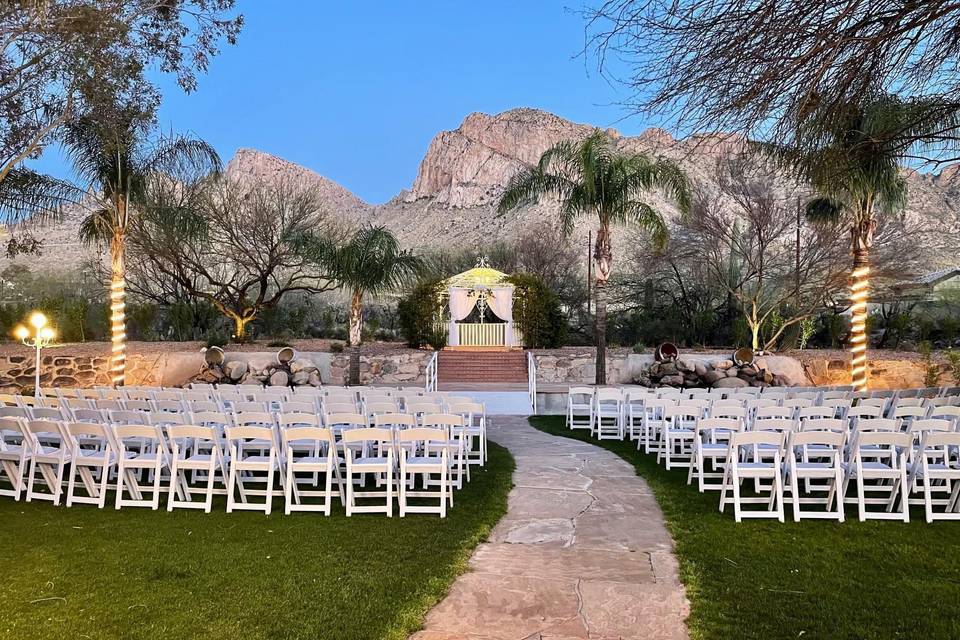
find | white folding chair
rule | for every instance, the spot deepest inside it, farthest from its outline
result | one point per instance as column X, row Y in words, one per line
column 653, row 424
column 677, row 435
column 633, row 403
column 822, row 473
column 746, row 464
column 51, row 454
column 455, row 428
column 193, row 448
column 16, row 450
column 580, row 408
column 424, row 452
column 475, row 428
column 93, row 456
column 712, row 439
column 608, row 423
column 310, row 450
column 937, row 468
column 139, row 448
column 291, row 406
column 771, row 413
column 879, row 456
column 253, row 462
column 376, row 457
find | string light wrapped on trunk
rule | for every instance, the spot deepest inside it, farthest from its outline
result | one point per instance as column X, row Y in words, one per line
column 859, row 291
column 118, row 335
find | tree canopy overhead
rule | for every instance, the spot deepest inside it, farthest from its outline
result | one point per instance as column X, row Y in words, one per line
column 756, row 66
column 63, row 58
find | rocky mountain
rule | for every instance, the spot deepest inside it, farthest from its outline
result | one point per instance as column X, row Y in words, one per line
column 452, row 202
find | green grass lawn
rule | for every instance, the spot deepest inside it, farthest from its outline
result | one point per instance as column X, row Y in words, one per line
column 88, row 573
column 813, row 579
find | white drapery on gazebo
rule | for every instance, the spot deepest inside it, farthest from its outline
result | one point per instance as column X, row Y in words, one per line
column 487, row 287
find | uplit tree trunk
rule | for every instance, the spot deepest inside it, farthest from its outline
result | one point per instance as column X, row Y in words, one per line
column 862, row 242
column 603, row 256
column 356, row 317
column 118, row 323
column 240, row 327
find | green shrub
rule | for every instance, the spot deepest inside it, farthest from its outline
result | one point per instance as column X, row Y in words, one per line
column 953, row 358
column 279, row 343
column 420, row 314
column 931, row 370
column 537, row 313
column 336, row 347
column 217, row 339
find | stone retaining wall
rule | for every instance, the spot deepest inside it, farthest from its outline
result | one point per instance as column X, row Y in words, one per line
column 17, row 372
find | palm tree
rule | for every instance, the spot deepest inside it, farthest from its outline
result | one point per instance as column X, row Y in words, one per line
column 370, row 262
column 111, row 151
column 592, row 177
column 853, row 159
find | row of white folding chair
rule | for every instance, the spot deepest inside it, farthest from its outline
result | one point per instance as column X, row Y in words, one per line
column 878, row 450
column 185, row 454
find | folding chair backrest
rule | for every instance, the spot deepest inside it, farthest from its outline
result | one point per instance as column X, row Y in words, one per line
column 382, row 437
column 683, row 411
column 45, row 427
column 749, row 438
column 779, row 396
column 864, row 411
column 88, row 394
column 756, row 403
column 345, row 419
column 424, row 434
column 726, row 411
column 798, row 403
column 300, row 434
column 210, row 418
column 821, row 437
column 250, row 407
column 873, row 402
column 291, row 406
column 775, row 424
column 73, row 404
column 111, row 394
column 249, row 432
column 194, row 396
column 137, row 405
column 580, row 395
column 202, row 405
column 910, row 412
column 15, row 427
column 766, row 413
column 441, row 420
column 179, row 431
column 913, row 401
column 374, row 407
column 109, row 405
column 168, row 406
column 883, row 439
column 395, row 420
column 728, row 402
column 78, row 430
column 947, row 412
column 836, row 395
column 718, row 424
column 878, row 424
column 342, row 406
column 166, row 396
column 129, row 417
column 90, row 415
column 934, row 439
column 15, row 412
column 824, row 424
column 262, row 418
column 930, row 424
column 46, row 413
column 809, row 413
column 289, row 420
column 124, row 431
column 422, row 408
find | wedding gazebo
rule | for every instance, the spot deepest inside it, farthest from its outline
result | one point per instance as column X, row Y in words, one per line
column 480, row 301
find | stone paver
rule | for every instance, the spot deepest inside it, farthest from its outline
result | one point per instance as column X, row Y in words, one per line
column 582, row 553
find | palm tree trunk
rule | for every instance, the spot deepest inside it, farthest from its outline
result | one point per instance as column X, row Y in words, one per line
column 603, row 255
column 862, row 241
column 118, row 323
column 356, row 317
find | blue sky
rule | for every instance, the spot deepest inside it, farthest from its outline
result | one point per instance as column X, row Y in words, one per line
column 356, row 91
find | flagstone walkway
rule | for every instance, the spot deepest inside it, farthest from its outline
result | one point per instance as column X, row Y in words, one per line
column 581, row 553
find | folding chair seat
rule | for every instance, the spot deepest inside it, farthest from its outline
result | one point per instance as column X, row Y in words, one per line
column 677, row 435
column 711, row 441
column 193, row 448
column 816, row 457
column 252, row 451
column 309, row 450
column 653, row 424
column 608, row 424
column 455, row 427
column 937, row 469
column 475, row 428
column 140, row 449
column 51, row 454
column 375, row 447
column 580, row 408
column 879, row 456
column 743, row 463
column 93, row 458
column 16, row 450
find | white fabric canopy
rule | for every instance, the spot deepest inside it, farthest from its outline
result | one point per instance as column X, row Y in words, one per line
column 500, row 302
column 462, row 302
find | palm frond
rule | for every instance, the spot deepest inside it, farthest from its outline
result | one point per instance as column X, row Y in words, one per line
column 26, row 194
column 824, row 210
column 96, row 227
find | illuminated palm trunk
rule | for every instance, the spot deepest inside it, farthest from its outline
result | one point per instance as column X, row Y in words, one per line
column 356, row 317
column 603, row 256
column 862, row 235
column 118, row 323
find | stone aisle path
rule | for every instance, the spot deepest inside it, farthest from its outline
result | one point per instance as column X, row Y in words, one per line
column 581, row 553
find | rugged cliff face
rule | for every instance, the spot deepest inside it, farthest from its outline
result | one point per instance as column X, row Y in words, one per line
column 453, row 200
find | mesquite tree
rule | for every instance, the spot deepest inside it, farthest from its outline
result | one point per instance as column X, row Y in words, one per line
column 592, row 177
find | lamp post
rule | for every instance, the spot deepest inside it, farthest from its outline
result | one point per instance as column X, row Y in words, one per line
column 40, row 337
